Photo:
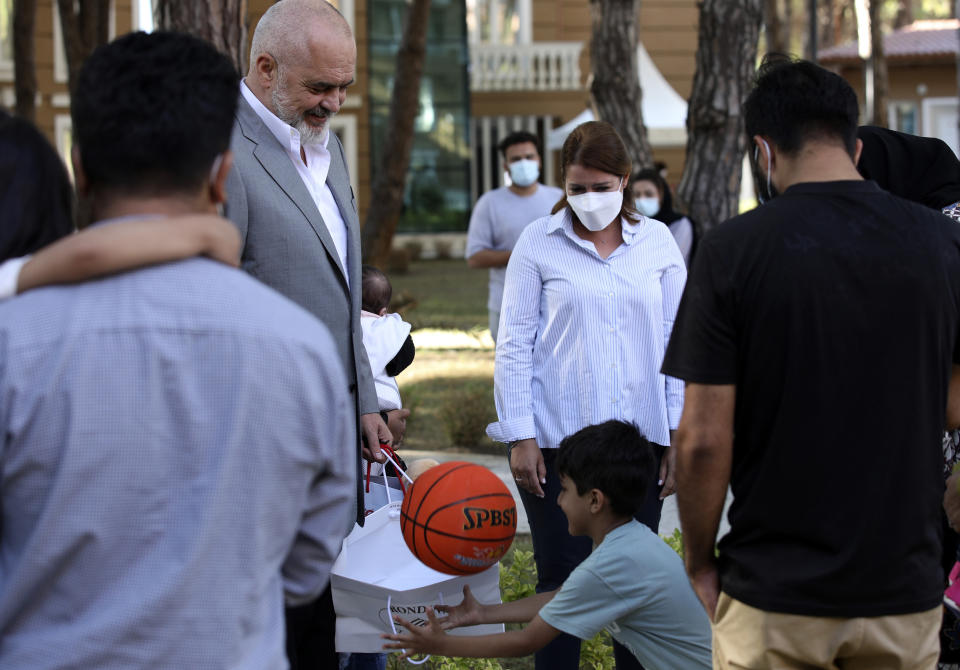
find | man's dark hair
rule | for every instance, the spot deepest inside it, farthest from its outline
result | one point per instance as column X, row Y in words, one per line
column 152, row 111
column 794, row 102
column 518, row 137
column 36, row 197
column 376, row 289
column 613, row 457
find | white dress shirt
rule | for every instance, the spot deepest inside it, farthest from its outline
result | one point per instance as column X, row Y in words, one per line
column 313, row 174
column 582, row 337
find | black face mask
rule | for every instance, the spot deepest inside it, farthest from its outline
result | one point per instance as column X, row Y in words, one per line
column 762, row 185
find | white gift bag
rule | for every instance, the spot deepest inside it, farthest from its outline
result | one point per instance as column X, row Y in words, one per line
column 380, row 490
column 375, row 566
column 377, row 496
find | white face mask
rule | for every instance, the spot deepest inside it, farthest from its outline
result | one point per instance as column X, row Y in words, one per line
column 524, row 172
column 647, row 206
column 596, row 210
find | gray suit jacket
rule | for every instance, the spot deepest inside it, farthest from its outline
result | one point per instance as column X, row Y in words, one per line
column 287, row 246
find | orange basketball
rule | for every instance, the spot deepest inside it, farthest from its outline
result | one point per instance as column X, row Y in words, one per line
column 458, row 518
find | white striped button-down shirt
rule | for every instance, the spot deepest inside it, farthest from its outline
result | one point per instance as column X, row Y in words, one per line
column 582, row 338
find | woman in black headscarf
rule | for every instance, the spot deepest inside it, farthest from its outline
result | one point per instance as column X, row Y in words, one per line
column 921, row 169
column 926, row 171
column 653, row 199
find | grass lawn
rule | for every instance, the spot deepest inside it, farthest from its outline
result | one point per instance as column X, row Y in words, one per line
column 450, row 383
column 446, row 294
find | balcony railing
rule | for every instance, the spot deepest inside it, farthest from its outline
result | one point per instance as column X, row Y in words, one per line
column 541, row 66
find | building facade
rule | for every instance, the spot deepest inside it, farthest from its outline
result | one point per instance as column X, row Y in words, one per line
column 922, row 74
column 493, row 66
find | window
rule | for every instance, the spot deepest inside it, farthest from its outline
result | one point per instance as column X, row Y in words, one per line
column 504, row 22
column 940, row 120
column 437, row 195
column 345, row 127
column 903, row 117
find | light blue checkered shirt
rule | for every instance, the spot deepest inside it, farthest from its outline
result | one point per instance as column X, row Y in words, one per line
column 177, row 456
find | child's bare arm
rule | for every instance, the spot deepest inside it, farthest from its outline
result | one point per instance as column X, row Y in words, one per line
column 431, row 639
column 470, row 612
column 112, row 248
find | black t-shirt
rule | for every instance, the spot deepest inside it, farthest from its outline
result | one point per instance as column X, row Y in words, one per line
column 834, row 309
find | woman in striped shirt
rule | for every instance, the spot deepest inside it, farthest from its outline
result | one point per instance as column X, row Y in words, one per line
column 590, row 296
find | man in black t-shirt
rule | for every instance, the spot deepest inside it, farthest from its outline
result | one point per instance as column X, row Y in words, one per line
column 816, row 336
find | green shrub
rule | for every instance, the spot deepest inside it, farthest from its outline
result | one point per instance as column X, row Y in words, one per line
column 398, row 261
column 675, row 541
column 597, row 652
column 443, row 663
column 465, row 414
column 414, row 248
column 443, row 249
column 518, row 580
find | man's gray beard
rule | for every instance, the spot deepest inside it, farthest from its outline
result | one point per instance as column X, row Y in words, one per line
column 286, row 113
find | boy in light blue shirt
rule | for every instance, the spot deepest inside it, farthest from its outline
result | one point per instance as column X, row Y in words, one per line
column 632, row 584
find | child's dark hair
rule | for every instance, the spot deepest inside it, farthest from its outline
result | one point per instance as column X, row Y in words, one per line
column 613, row 457
column 376, row 289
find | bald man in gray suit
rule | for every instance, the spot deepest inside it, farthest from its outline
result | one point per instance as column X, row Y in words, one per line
column 289, row 194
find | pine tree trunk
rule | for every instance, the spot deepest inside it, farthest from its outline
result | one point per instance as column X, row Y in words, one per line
column 85, row 26
column 777, row 30
column 616, row 82
column 24, row 60
column 223, row 23
column 386, row 201
column 726, row 57
column 828, row 20
column 904, row 14
column 879, row 61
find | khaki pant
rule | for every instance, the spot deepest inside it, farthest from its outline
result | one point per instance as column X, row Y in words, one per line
column 748, row 638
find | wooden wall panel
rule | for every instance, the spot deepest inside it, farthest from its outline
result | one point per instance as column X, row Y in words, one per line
column 562, row 104
column 939, row 79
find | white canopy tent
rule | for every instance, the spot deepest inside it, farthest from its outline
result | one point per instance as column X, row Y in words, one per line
column 664, row 111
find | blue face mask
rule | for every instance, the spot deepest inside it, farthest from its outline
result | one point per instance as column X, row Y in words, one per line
column 524, row 172
column 647, row 206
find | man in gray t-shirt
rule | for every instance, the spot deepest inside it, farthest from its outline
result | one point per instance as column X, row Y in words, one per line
column 501, row 215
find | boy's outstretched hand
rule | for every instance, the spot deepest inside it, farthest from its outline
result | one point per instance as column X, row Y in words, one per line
column 427, row 639
column 468, row 613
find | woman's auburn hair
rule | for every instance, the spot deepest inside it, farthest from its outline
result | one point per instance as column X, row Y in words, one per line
column 597, row 145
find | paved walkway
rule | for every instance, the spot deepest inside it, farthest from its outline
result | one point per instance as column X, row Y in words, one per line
column 498, row 464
